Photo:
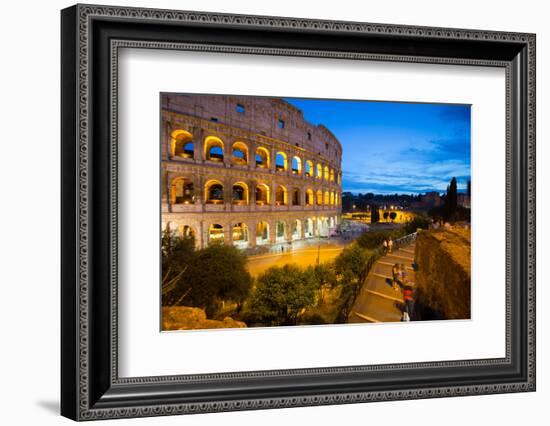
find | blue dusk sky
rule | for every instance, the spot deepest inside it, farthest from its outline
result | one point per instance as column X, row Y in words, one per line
column 392, row 147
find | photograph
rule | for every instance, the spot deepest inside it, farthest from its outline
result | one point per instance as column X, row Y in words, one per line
column 282, row 211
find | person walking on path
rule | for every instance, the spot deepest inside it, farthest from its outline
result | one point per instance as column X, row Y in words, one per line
column 408, row 299
column 385, row 246
column 395, row 274
column 390, row 245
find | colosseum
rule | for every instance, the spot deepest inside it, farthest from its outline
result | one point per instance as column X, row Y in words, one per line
column 247, row 171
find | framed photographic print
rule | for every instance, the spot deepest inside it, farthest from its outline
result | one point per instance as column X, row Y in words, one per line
column 263, row 212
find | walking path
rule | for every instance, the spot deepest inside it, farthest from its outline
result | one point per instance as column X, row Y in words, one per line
column 377, row 300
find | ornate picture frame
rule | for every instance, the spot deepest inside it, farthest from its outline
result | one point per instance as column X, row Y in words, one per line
column 91, row 37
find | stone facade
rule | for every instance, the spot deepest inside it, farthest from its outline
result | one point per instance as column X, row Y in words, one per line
column 248, row 170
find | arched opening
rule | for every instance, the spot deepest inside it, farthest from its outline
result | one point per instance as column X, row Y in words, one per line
column 326, row 173
column 327, row 198
column 182, row 191
column 215, row 234
column 296, row 165
column 262, row 233
column 332, row 175
column 322, row 224
column 239, row 235
column 281, row 196
column 309, row 168
column 296, row 197
column 213, row 149
column 280, row 228
column 262, row 194
column 262, row 158
column 186, row 231
column 319, row 172
column 331, row 222
column 239, row 193
column 182, row 144
column 332, row 198
column 297, row 230
column 309, row 197
column 308, row 228
column 280, row 162
column 240, row 153
column 213, row 192
column 319, row 198
column 336, row 199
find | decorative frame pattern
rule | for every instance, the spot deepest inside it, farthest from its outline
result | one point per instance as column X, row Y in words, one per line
column 86, row 397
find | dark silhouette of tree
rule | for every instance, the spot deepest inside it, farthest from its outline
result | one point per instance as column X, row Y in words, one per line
column 374, row 214
column 386, row 215
column 393, row 215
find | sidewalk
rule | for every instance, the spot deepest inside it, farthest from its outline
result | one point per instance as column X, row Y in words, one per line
column 377, row 300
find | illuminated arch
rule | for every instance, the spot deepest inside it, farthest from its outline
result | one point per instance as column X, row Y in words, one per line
column 281, row 162
column 215, row 233
column 186, row 231
column 239, row 235
column 181, row 144
column 239, row 153
column 280, row 229
column 332, row 198
column 296, row 165
column 213, row 149
column 308, row 228
column 281, row 196
column 332, row 175
column 326, row 173
column 239, row 193
column 319, row 171
column 319, row 198
column 326, row 200
column 262, row 158
column 309, row 168
column 262, row 233
column 182, row 191
column 213, row 192
column 309, row 197
column 296, row 231
column 262, row 194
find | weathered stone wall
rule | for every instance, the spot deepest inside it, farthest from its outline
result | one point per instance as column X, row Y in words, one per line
column 443, row 279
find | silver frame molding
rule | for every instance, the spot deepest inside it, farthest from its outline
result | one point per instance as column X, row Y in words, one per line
column 91, row 39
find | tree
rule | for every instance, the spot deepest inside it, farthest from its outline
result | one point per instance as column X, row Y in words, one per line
column 386, row 215
column 451, row 200
column 281, row 294
column 374, row 214
column 216, row 274
column 393, row 215
column 176, row 253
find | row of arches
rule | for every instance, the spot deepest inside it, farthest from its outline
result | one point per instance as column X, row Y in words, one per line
column 264, row 233
column 183, row 192
column 214, row 150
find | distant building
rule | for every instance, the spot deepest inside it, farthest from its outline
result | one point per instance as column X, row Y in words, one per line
column 428, row 201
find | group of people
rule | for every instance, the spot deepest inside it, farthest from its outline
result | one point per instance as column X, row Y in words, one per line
column 400, row 280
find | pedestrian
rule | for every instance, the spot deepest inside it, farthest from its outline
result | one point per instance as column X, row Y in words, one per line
column 395, row 274
column 408, row 299
column 390, row 245
column 385, row 246
column 403, row 273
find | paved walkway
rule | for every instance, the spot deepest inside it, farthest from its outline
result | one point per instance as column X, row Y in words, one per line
column 377, row 300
